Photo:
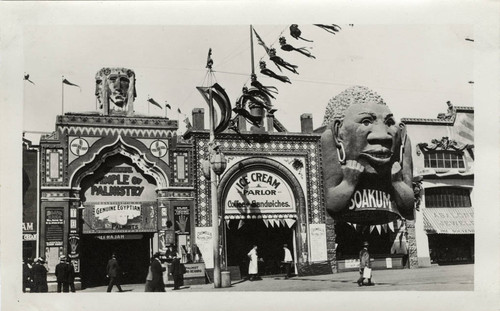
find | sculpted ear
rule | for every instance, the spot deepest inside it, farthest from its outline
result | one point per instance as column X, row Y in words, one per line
column 337, row 138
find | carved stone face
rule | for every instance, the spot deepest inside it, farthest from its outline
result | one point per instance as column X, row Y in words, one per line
column 116, row 87
column 369, row 133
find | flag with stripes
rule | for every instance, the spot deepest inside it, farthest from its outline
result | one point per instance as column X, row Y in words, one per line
column 152, row 101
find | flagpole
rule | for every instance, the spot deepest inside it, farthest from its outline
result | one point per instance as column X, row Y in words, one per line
column 166, row 110
column 251, row 49
column 62, row 97
column 149, row 104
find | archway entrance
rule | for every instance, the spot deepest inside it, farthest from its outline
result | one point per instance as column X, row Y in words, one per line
column 132, row 252
column 269, row 241
column 119, row 217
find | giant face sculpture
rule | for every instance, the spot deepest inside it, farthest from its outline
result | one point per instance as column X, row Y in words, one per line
column 115, row 88
column 366, row 160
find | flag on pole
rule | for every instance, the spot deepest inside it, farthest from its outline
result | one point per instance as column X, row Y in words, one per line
column 188, row 124
column 168, row 106
column 179, row 110
column 152, row 101
column 65, row 81
column 27, row 78
column 259, row 40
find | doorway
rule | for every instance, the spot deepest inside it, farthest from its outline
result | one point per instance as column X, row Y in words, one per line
column 133, row 257
column 269, row 241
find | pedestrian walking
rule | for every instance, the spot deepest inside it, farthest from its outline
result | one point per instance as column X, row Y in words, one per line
column 178, row 270
column 62, row 275
column 113, row 273
column 71, row 276
column 253, row 266
column 157, row 284
column 287, row 261
column 365, row 266
column 40, row 276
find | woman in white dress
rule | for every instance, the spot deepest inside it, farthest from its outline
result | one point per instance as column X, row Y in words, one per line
column 253, row 268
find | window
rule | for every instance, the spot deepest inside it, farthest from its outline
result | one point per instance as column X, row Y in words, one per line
column 447, row 197
column 444, row 159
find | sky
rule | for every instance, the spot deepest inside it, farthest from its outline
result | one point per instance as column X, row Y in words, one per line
column 415, row 68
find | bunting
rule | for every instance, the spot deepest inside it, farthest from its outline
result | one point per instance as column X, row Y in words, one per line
column 266, row 222
column 290, row 222
column 240, row 224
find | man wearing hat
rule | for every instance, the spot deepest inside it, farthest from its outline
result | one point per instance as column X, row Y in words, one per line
column 157, row 284
column 71, row 275
column 39, row 276
column 113, row 271
column 62, row 275
column 364, row 261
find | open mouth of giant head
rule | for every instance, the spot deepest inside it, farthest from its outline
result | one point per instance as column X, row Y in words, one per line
column 377, row 156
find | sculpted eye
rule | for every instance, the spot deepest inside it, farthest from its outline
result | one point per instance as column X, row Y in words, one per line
column 390, row 122
column 366, row 121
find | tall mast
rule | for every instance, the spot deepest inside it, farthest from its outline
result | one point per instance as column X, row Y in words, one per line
column 251, row 48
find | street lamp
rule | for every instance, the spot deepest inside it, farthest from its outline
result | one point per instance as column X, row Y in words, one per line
column 212, row 168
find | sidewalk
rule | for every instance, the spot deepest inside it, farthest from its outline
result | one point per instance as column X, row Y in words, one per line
column 434, row 278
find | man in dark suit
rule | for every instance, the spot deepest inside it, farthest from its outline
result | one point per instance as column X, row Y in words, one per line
column 157, row 284
column 177, row 271
column 113, row 273
column 71, row 275
column 62, row 275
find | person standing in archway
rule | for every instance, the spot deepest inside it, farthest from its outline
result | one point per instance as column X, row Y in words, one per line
column 287, row 261
column 364, row 262
column 113, row 273
column 253, row 266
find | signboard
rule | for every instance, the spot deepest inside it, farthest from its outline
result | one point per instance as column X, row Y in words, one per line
column 317, row 233
column 54, row 226
column 121, row 183
column 120, row 217
column 453, row 220
column 181, row 217
column 194, row 270
column 259, row 191
column 30, row 193
column 107, row 237
column 203, row 239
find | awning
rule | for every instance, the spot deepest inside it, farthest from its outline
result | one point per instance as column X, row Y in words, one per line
column 449, row 220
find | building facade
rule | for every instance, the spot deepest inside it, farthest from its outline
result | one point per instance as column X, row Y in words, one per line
column 443, row 157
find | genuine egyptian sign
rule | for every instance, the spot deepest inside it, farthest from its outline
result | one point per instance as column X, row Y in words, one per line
column 259, row 191
column 117, row 217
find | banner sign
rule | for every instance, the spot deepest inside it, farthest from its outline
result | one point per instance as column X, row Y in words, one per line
column 119, row 217
column 203, row 239
column 259, row 191
column 107, row 237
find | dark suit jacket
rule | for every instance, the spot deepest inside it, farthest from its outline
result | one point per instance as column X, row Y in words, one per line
column 177, row 267
column 61, row 272
column 113, row 269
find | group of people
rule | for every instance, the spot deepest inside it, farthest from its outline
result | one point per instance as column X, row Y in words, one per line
column 35, row 276
column 65, row 275
column 253, row 266
column 154, row 279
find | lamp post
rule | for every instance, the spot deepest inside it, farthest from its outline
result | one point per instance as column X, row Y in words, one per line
column 213, row 168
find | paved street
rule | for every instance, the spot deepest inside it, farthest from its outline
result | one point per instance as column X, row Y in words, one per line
column 434, row 278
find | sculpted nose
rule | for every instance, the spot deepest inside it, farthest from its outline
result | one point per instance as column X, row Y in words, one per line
column 379, row 135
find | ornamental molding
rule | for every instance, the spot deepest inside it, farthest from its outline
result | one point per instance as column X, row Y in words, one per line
column 444, row 144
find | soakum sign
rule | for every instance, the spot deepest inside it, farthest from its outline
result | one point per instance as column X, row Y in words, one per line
column 259, row 191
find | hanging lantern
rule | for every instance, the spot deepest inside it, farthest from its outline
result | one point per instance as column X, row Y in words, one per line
column 218, row 162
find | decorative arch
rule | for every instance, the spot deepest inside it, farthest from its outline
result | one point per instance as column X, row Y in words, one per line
column 275, row 167
column 119, row 146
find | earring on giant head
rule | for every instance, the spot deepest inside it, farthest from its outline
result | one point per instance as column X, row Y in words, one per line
column 341, row 158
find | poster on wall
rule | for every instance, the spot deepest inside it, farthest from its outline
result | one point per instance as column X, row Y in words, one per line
column 181, row 217
column 259, row 191
column 116, row 217
column 203, row 239
column 318, row 242
column 54, row 226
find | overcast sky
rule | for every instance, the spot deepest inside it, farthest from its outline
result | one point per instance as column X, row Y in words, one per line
column 415, row 68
